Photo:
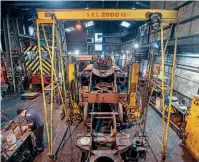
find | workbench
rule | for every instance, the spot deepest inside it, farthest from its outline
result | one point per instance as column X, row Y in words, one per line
column 23, row 150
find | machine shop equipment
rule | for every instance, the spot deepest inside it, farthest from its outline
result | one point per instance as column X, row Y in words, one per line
column 108, row 102
column 104, row 88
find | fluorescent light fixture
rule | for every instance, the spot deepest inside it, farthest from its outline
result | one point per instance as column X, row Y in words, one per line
column 76, row 52
column 87, row 7
column 125, row 24
column 70, row 29
column 156, row 45
column 89, row 24
column 136, row 45
column 30, row 30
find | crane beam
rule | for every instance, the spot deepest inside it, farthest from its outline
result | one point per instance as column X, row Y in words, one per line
column 106, row 14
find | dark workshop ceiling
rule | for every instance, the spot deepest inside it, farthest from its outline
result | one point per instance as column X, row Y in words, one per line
column 28, row 10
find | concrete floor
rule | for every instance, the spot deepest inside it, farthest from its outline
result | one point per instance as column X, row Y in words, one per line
column 69, row 152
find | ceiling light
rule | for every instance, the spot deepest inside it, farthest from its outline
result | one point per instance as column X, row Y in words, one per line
column 125, row 24
column 87, row 7
column 127, row 51
column 133, row 7
column 136, row 45
column 76, row 52
column 78, row 26
column 89, row 24
column 70, row 29
column 156, row 45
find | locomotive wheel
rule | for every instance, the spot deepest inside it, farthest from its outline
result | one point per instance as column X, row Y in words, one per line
column 76, row 118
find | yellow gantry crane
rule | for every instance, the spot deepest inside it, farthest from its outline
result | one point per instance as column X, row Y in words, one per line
column 51, row 18
column 161, row 85
column 56, row 82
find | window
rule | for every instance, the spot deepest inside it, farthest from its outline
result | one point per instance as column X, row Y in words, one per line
column 98, row 47
column 98, row 37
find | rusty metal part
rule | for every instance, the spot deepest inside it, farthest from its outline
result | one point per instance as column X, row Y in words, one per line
column 17, row 130
column 120, row 112
column 99, row 91
column 102, row 98
column 85, row 111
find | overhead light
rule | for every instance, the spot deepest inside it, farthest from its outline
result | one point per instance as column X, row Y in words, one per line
column 127, row 51
column 76, row 52
column 125, row 24
column 87, row 7
column 156, row 45
column 133, row 7
column 136, row 45
column 78, row 26
column 89, row 24
column 70, row 29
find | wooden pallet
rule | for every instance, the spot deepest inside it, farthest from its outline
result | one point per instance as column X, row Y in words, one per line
column 29, row 95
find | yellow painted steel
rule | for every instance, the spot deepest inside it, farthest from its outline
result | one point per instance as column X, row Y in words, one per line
column 165, row 126
column 172, row 85
column 192, row 129
column 42, row 81
column 71, row 72
column 27, row 49
column 63, row 75
column 131, row 108
column 52, row 87
column 55, row 83
column 105, row 14
column 163, row 91
column 133, row 84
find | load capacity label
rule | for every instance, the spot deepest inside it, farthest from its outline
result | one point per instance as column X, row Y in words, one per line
column 106, row 14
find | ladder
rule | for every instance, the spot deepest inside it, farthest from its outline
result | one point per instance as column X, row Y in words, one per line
column 161, row 85
column 57, row 83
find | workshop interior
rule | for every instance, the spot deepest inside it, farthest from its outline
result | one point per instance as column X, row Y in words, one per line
column 99, row 81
